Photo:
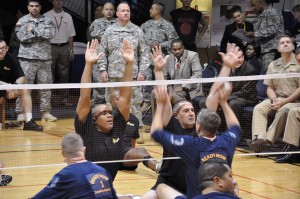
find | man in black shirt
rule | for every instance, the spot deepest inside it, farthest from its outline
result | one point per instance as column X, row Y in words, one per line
column 102, row 131
column 12, row 73
column 186, row 23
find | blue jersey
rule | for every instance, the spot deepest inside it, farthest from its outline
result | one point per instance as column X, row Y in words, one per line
column 195, row 150
column 216, row 195
column 80, row 180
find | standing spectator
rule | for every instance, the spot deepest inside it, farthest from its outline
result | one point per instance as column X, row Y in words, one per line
column 98, row 11
column 186, row 22
column 96, row 31
column 12, row 73
column 61, row 46
column 99, row 26
column 14, row 42
column 97, row 14
column 283, row 96
column 158, row 32
column 112, row 66
column 296, row 33
column 268, row 27
column 184, row 64
column 81, row 178
column 34, row 32
column 239, row 23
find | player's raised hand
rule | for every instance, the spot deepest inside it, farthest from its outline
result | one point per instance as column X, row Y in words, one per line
column 234, row 56
column 158, row 60
column 91, row 55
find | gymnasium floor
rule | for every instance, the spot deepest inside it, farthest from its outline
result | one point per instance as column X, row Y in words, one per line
column 32, row 158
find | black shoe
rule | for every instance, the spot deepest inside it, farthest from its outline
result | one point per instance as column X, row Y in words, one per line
column 5, row 179
column 288, row 158
column 32, row 126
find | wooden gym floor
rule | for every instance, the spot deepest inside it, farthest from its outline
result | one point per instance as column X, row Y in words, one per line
column 257, row 177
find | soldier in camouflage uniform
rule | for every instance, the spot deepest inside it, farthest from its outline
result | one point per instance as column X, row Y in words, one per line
column 96, row 31
column 158, row 32
column 111, row 65
column 34, row 32
column 268, row 27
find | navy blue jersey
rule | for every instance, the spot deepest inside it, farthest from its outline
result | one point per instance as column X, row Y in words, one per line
column 195, row 150
column 80, row 180
column 216, row 195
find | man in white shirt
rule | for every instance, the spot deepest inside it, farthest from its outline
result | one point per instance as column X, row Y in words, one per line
column 61, row 45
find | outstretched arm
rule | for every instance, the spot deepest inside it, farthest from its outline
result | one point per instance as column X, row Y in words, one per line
column 162, row 97
column 159, row 65
column 232, row 59
column 125, row 92
column 224, row 91
column 84, row 103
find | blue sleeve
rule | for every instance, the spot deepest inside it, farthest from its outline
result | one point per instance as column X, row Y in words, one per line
column 56, row 188
column 234, row 133
column 183, row 145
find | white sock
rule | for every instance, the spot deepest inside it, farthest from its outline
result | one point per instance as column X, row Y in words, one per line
column 28, row 116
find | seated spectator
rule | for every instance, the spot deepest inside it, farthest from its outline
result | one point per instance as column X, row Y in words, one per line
column 129, row 140
column 252, row 53
column 196, row 150
column 183, row 64
column 12, row 73
column 291, row 134
column 5, row 179
column 283, row 96
column 239, row 23
column 81, row 178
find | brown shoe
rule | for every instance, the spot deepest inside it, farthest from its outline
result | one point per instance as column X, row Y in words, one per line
column 259, row 145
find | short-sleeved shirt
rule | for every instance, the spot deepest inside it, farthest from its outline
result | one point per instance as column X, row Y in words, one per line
column 80, row 180
column 131, row 132
column 10, row 69
column 216, row 195
column 173, row 170
column 195, row 150
column 284, row 87
column 64, row 26
column 103, row 146
column 186, row 24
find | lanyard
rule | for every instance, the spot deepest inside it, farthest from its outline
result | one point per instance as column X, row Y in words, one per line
column 237, row 27
column 56, row 22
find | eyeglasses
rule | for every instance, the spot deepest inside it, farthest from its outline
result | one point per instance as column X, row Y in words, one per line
column 3, row 48
column 103, row 113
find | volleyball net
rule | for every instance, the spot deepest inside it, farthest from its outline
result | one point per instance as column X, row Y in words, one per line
column 32, row 149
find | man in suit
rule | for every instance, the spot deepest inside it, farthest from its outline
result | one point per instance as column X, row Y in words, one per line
column 183, row 64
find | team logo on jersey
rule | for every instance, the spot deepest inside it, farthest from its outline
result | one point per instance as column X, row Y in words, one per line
column 232, row 135
column 177, row 142
column 53, row 183
column 130, row 124
column 6, row 68
column 115, row 140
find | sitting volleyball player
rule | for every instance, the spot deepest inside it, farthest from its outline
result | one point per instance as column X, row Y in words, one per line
column 12, row 73
column 81, row 178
